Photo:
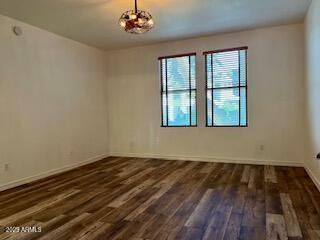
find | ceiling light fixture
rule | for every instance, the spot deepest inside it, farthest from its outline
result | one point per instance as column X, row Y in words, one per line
column 136, row 21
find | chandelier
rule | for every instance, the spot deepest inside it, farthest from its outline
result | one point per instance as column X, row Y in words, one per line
column 136, row 21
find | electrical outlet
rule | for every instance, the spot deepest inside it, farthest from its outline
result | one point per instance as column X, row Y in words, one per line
column 6, row 166
column 131, row 145
column 318, row 156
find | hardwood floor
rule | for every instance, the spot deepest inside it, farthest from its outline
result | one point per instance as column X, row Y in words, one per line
column 127, row 198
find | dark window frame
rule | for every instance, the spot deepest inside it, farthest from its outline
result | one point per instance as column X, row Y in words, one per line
column 238, row 87
column 162, row 91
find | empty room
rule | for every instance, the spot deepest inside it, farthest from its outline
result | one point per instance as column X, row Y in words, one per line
column 148, row 119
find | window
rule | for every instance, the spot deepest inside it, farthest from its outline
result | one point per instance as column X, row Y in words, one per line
column 226, row 88
column 178, row 90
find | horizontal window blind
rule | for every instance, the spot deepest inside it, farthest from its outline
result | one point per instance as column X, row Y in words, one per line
column 226, row 87
column 178, row 90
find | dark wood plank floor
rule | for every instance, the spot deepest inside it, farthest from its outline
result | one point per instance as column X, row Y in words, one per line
column 127, row 198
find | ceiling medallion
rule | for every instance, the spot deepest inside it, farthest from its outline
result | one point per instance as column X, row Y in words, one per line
column 136, row 21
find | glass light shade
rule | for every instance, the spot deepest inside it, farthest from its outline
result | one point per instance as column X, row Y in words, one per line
column 136, row 22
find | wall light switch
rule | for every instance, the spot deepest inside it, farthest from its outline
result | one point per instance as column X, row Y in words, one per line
column 6, row 166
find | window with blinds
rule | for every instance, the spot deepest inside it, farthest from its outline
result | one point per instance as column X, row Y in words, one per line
column 178, row 90
column 226, row 88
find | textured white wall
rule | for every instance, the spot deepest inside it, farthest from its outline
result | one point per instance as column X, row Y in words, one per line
column 53, row 110
column 276, row 101
column 312, row 34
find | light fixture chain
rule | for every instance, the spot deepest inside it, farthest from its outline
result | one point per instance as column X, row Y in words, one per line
column 135, row 6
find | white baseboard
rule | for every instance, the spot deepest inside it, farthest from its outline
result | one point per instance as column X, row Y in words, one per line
column 313, row 177
column 210, row 159
column 51, row 172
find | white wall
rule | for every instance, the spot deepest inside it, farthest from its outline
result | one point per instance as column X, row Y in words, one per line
column 58, row 98
column 53, row 110
column 276, row 101
column 312, row 34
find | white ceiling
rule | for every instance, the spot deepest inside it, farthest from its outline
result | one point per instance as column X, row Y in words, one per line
column 95, row 22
